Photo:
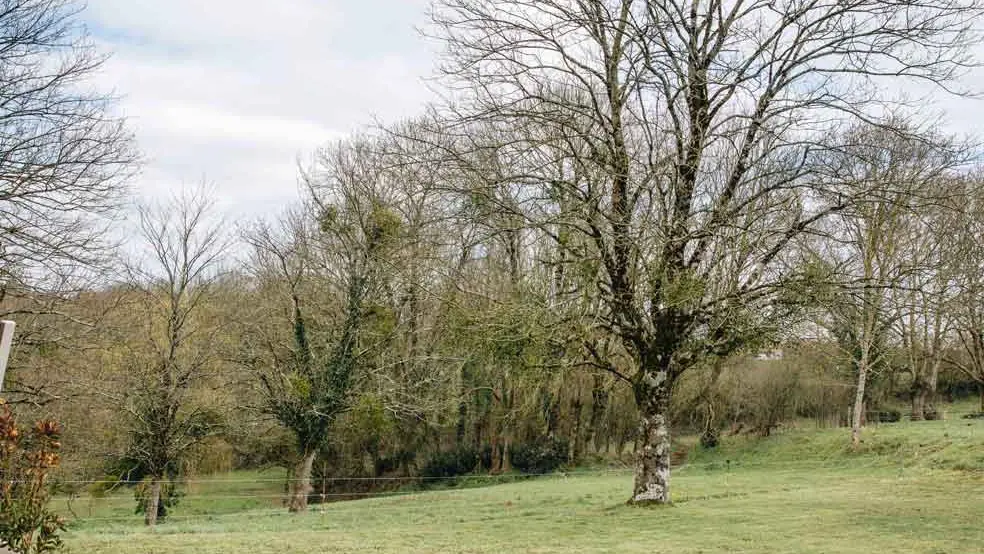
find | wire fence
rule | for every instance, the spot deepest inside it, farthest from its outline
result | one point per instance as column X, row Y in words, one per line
column 219, row 498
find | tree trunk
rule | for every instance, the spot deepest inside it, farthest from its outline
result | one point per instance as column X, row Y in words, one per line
column 481, row 425
column 857, row 421
column 496, row 456
column 459, row 430
column 933, row 386
column 508, row 400
column 153, row 502
column 980, row 390
column 710, row 426
column 498, row 431
column 301, row 483
column 576, row 442
column 553, row 415
column 919, row 393
column 599, row 406
column 652, row 475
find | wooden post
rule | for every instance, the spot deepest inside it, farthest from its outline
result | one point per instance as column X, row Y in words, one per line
column 6, row 339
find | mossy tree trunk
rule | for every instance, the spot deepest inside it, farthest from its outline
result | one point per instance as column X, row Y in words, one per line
column 300, row 484
column 652, row 476
column 153, row 501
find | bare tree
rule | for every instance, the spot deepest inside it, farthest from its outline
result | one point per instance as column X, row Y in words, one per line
column 924, row 301
column 873, row 245
column 967, row 305
column 172, row 352
column 682, row 137
column 65, row 157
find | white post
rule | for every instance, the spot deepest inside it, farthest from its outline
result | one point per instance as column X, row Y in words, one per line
column 6, row 339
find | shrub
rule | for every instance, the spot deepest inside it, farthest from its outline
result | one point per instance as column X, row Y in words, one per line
column 543, row 456
column 885, row 416
column 450, row 463
column 26, row 526
column 769, row 391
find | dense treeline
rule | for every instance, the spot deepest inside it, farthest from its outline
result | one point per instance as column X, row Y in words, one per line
column 391, row 327
column 618, row 231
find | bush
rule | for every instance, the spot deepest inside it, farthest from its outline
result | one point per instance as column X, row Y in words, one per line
column 26, row 526
column 543, row 456
column 768, row 391
column 451, row 463
column 885, row 416
column 132, row 473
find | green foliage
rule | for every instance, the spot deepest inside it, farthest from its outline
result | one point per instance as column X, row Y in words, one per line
column 367, row 426
column 539, row 457
column 385, row 225
column 26, row 524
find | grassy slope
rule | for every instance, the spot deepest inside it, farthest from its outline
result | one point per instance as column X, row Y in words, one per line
column 801, row 491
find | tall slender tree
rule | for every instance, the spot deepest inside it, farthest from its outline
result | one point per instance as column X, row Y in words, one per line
column 172, row 351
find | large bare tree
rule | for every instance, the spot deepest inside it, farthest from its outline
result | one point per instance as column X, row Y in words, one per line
column 65, row 155
column 925, row 301
column 65, row 160
column 171, row 352
column 681, row 139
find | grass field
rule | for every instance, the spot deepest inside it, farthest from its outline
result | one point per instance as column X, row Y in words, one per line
column 912, row 487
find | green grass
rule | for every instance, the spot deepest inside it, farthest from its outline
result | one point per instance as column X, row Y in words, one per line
column 912, row 487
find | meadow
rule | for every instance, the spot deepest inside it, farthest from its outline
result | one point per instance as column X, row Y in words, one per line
column 911, row 487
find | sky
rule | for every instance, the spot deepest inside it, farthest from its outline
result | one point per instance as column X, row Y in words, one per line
column 235, row 93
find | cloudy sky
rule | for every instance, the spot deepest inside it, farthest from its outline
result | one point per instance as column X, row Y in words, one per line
column 235, row 92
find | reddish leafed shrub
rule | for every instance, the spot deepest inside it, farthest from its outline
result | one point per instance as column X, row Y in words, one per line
column 26, row 526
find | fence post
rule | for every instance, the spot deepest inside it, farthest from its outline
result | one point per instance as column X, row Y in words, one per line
column 6, row 339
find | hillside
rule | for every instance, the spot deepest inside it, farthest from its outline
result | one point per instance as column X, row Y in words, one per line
column 913, row 487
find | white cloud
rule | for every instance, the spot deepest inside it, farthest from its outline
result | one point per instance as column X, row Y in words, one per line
column 201, row 123
column 235, row 92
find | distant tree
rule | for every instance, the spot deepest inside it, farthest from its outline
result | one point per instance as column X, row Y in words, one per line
column 876, row 248
column 967, row 267
column 170, row 351
column 925, row 299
